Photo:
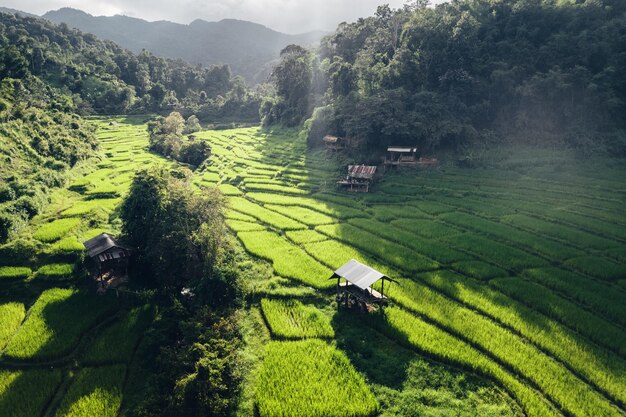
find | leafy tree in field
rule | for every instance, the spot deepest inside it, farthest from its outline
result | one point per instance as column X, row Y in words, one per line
column 179, row 234
column 166, row 138
column 191, row 354
column 192, row 124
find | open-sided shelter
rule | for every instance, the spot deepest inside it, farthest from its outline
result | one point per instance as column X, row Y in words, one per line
column 355, row 281
column 401, row 156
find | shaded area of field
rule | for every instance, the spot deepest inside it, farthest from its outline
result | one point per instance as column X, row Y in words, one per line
column 514, row 273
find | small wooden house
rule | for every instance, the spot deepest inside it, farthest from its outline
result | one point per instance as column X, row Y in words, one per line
column 354, row 285
column 359, row 178
column 110, row 259
column 401, row 156
column 335, row 143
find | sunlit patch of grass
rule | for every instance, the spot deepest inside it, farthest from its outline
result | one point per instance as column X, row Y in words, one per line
column 47, row 332
column 27, row 393
column 94, row 392
column 66, row 245
column 55, row 271
column 14, row 272
column 302, row 214
column 288, row 260
column 12, row 315
column 311, row 378
column 291, row 319
column 305, row 236
column 55, row 230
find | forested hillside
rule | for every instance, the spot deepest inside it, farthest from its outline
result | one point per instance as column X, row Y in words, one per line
column 51, row 74
column 249, row 49
column 479, row 72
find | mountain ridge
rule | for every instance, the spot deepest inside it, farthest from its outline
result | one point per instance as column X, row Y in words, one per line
column 249, row 48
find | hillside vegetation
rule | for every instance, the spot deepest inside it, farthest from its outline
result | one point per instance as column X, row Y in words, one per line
column 467, row 74
column 249, row 49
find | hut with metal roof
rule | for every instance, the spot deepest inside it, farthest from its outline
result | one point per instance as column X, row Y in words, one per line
column 401, row 156
column 110, row 257
column 354, row 285
column 359, row 178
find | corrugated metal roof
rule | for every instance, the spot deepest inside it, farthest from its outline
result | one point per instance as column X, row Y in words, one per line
column 101, row 243
column 360, row 275
column 361, row 171
column 401, row 149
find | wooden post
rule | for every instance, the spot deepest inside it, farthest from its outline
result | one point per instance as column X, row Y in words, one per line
column 382, row 290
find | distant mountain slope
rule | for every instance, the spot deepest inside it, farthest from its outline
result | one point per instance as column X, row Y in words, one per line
column 17, row 12
column 248, row 48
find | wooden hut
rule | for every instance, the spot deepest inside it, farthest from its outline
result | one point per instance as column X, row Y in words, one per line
column 335, row 143
column 354, row 285
column 359, row 178
column 401, row 156
column 110, row 259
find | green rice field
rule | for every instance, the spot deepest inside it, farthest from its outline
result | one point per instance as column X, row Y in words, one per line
column 511, row 298
column 62, row 347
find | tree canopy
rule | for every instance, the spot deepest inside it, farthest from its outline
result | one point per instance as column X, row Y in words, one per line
column 477, row 71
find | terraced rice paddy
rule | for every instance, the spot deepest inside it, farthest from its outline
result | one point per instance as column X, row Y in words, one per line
column 64, row 351
column 515, row 275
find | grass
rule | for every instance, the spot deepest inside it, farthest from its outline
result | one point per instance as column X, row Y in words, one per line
column 12, row 315
column 586, row 323
column 14, row 272
column 598, row 365
column 506, row 257
column 305, row 236
column 598, row 296
column 399, row 256
column 94, row 392
column 117, row 342
column 288, row 260
column 302, row 214
column 67, row 245
column 479, row 269
column 331, row 209
column 55, row 271
column 47, row 333
column 433, row 341
column 563, row 387
column 56, row 229
column 264, row 215
column 598, row 267
column 566, row 234
column 291, row 319
column 26, row 393
column 311, row 378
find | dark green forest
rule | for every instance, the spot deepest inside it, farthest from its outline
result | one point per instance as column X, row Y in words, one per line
column 467, row 73
column 51, row 75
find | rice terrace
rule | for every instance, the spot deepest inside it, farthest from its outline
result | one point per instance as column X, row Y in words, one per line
column 509, row 301
column 416, row 213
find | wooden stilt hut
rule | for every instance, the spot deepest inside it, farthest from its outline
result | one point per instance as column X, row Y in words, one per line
column 359, row 178
column 354, row 285
column 110, row 259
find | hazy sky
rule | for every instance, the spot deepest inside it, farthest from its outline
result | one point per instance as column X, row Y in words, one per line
column 291, row 16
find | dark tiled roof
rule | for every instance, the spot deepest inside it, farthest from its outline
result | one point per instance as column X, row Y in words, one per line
column 101, row 243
